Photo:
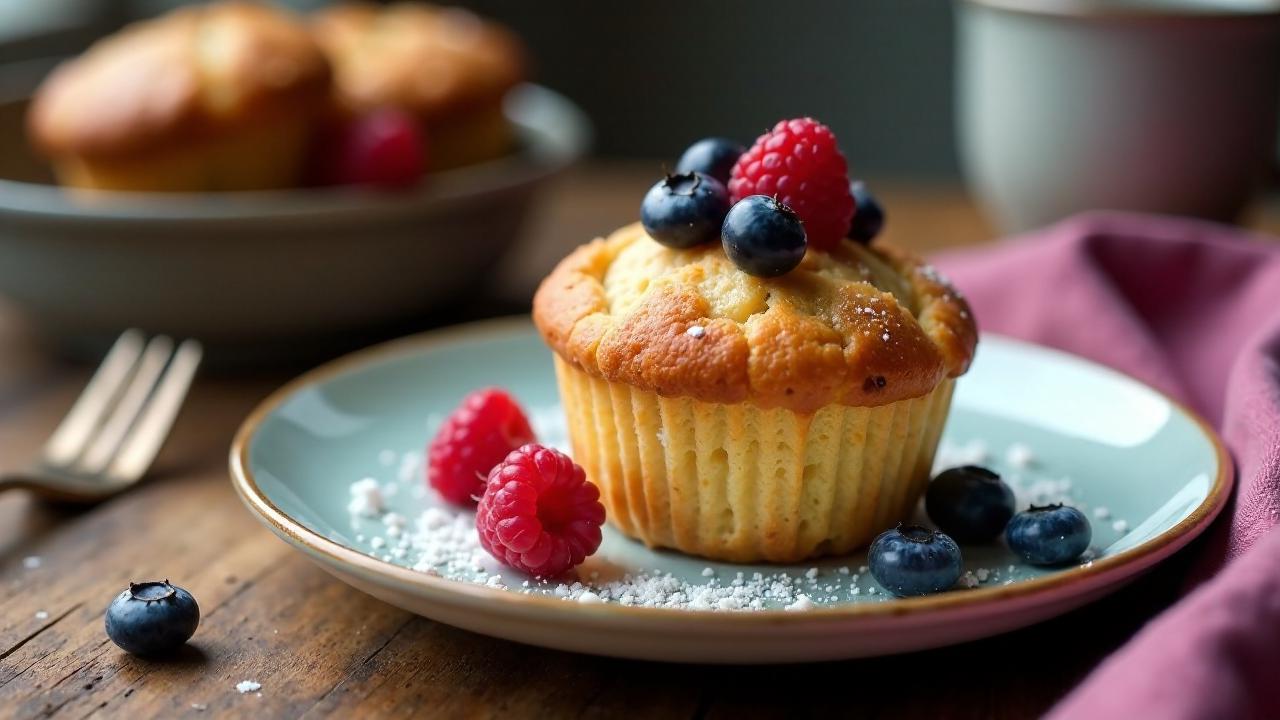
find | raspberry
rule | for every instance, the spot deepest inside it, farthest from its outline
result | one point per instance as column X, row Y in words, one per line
column 474, row 438
column 384, row 148
column 799, row 163
column 539, row 514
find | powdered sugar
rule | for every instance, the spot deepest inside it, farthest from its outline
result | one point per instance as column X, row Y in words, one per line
column 802, row 602
column 366, row 498
column 949, row 455
column 931, row 273
column 443, row 541
column 1019, row 456
column 1030, row 486
column 248, row 686
column 413, row 528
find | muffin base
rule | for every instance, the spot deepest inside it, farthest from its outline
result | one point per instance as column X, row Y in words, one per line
column 263, row 154
column 741, row 483
column 477, row 136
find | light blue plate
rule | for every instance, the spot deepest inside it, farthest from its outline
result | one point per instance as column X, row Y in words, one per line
column 1148, row 473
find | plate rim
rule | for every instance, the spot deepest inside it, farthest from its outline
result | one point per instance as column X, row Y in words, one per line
column 318, row 547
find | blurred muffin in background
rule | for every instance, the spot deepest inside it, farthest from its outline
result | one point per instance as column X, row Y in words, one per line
column 213, row 97
column 443, row 66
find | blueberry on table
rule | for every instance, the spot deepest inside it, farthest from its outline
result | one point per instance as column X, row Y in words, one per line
column 1049, row 535
column 868, row 216
column 763, row 237
column 969, row 503
column 913, row 560
column 685, row 210
column 712, row 156
column 151, row 618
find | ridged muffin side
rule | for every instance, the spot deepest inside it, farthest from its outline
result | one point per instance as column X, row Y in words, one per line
column 744, row 484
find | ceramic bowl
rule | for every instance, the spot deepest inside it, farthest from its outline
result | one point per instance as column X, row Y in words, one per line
column 266, row 269
column 1150, row 475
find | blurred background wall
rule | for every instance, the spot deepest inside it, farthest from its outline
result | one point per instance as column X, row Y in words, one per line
column 878, row 71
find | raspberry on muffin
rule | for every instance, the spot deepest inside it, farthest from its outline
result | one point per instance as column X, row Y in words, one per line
column 799, row 163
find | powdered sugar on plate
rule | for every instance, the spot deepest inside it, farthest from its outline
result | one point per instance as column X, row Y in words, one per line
column 1016, row 465
column 442, row 541
column 396, row 519
column 1031, row 481
column 366, row 498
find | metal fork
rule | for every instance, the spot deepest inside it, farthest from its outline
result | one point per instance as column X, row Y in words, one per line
column 118, row 424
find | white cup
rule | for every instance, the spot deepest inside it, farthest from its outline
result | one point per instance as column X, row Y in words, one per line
column 1164, row 106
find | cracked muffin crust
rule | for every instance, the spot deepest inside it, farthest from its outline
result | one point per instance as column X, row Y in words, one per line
column 860, row 326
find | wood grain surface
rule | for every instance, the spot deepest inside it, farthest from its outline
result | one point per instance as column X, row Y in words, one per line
column 320, row 648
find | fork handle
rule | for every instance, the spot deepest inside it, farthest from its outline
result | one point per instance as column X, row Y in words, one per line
column 46, row 490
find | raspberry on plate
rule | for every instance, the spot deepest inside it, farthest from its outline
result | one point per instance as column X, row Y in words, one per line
column 538, row 513
column 799, row 163
column 473, row 439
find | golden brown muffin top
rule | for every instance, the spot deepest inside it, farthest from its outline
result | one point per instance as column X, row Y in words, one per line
column 432, row 61
column 859, row 326
column 193, row 70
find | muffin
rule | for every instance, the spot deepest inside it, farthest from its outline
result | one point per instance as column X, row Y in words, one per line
column 206, row 98
column 743, row 410
column 748, row 419
column 446, row 67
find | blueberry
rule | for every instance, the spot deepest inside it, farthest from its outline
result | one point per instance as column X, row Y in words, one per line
column 868, row 216
column 970, row 503
column 711, row 156
column 684, row 210
column 763, row 237
column 913, row 560
column 1049, row 535
column 151, row 618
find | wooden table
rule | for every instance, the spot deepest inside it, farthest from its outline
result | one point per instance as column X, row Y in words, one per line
column 321, row 648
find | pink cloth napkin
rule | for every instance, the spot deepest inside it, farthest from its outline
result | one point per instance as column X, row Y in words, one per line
column 1194, row 309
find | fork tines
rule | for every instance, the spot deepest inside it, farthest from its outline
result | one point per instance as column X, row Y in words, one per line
column 117, row 425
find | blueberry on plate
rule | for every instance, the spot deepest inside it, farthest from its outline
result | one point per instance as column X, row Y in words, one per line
column 868, row 216
column 763, row 237
column 1049, row 534
column 914, row 560
column 684, row 210
column 712, row 156
column 151, row 618
column 970, row 503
